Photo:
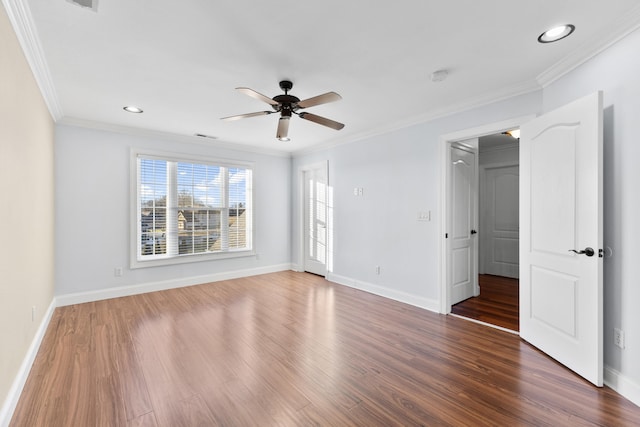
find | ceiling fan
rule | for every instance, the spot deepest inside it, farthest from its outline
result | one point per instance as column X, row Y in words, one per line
column 287, row 105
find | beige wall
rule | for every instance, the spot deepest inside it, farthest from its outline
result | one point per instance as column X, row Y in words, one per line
column 26, row 207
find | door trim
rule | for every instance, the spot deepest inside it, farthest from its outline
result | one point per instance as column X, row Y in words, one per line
column 300, row 213
column 445, row 141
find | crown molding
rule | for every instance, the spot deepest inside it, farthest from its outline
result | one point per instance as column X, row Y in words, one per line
column 466, row 105
column 21, row 19
column 167, row 136
column 592, row 47
column 27, row 34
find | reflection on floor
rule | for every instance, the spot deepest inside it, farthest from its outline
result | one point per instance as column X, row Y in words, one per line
column 497, row 303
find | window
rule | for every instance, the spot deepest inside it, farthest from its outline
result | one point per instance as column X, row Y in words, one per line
column 190, row 210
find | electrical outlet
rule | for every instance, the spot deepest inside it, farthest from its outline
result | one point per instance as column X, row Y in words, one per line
column 117, row 271
column 618, row 337
column 377, row 269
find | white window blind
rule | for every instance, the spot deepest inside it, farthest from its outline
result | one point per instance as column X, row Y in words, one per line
column 189, row 208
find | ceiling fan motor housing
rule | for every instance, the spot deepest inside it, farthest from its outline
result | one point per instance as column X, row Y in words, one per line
column 286, row 103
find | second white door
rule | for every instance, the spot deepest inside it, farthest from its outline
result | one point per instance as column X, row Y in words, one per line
column 462, row 206
column 500, row 224
column 315, row 219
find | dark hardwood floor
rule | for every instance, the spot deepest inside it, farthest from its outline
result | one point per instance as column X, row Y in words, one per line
column 292, row 349
column 497, row 303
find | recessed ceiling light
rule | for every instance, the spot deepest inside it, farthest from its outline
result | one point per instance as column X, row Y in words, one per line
column 285, row 139
column 556, row 33
column 132, row 109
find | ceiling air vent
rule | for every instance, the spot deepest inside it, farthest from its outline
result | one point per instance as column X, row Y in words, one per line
column 202, row 135
column 88, row 4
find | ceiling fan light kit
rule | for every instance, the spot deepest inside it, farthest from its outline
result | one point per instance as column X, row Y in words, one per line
column 287, row 105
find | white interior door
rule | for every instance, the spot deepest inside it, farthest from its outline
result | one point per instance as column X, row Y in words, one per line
column 315, row 219
column 501, row 224
column 463, row 216
column 561, row 210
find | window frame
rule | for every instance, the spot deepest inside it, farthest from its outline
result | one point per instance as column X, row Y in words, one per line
column 135, row 228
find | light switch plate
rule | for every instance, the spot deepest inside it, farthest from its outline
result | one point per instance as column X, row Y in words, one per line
column 424, row 216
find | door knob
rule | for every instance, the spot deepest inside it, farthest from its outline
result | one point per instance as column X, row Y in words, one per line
column 474, row 232
column 586, row 251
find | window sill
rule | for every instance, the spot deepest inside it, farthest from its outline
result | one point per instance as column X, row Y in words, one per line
column 186, row 259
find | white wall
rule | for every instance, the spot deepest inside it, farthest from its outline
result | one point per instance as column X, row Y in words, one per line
column 616, row 72
column 400, row 176
column 93, row 217
column 26, row 216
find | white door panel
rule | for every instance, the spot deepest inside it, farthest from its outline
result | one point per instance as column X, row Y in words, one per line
column 559, row 312
column 315, row 220
column 500, row 232
column 553, row 189
column 462, row 242
column 561, row 210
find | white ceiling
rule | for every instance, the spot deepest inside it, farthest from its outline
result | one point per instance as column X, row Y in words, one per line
column 181, row 60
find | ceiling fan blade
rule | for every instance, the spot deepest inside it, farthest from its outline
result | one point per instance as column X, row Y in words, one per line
column 252, row 93
column 321, row 120
column 244, row 116
column 320, row 99
column 283, row 129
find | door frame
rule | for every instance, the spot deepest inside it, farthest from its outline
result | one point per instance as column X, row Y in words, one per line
column 445, row 142
column 300, row 213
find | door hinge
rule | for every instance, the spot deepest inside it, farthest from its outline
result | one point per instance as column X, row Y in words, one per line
column 601, row 253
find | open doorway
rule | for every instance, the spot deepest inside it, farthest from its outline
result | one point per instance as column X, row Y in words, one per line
column 497, row 301
column 560, row 276
column 499, row 152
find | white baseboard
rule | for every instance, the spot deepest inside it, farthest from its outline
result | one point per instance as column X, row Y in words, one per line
column 123, row 291
column 382, row 291
column 622, row 385
column 11, row 401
